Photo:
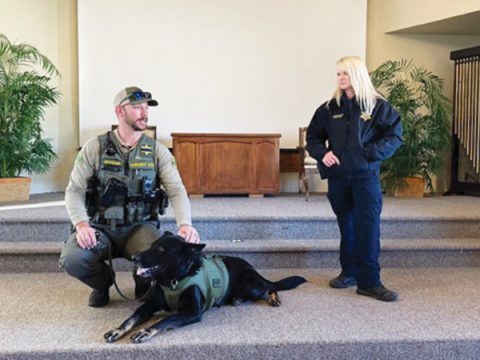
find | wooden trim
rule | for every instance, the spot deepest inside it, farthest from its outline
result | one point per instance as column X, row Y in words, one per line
column 223, row 136
column 463, row 53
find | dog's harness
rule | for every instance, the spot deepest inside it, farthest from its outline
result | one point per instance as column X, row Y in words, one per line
column 212, row 279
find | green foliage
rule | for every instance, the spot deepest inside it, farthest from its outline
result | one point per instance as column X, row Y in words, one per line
column 417, row 94
column 24, row 94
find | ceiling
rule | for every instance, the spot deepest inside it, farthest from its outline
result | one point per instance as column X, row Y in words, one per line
column 467, row 24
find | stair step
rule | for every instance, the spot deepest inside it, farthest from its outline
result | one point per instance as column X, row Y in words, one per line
column 259, row 228
column 272, row 253
column 45, row 316
column 278, row 217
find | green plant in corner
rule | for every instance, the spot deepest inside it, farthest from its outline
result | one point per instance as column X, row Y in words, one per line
column 24, row 94
column 417, row 94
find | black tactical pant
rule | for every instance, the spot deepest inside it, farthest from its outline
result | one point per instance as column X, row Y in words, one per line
column 358, row 204
column 89, row 266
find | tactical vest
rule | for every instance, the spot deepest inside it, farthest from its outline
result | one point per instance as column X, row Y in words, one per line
column 212, row 279
column 125, row 181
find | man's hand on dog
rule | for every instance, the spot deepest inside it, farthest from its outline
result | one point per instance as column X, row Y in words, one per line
column 189, row 233
column 86, row 238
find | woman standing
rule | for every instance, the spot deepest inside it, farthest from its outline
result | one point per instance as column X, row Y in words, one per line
column 349, row 136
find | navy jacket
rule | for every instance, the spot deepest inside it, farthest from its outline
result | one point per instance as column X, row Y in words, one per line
column 359, row 141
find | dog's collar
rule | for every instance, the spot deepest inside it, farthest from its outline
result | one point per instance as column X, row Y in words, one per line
column 173, row 284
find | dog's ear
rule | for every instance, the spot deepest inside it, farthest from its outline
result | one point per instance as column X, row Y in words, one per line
column 194, row 247
column 167, row 233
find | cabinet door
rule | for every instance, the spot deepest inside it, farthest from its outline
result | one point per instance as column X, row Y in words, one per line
column 226, row 167
column 267, row 166
column 186, row 156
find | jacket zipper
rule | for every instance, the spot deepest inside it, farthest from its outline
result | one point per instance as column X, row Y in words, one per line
column 348, row 133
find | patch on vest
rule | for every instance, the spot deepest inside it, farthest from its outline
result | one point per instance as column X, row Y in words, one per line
column 112, row 165
column 143, row 164
column 338, row 116
column 112, row 162
column 146, row 150
column 216, row 282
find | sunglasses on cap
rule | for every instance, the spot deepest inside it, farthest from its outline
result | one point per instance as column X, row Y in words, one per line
column 137, row 96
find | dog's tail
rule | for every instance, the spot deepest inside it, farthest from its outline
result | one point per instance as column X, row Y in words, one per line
column 288, row 283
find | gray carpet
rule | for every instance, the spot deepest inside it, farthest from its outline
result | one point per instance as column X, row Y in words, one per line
column 44, row 316
column 437, row 316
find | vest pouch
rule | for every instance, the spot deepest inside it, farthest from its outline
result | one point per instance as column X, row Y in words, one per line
column 114, row 216
column 115, row 191
column 91, row 196
column 162, row 201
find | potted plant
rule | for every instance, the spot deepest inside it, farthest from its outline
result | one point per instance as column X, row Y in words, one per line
column 24, row 93
column 417, row 94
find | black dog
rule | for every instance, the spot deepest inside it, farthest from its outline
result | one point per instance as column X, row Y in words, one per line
column 188, row 283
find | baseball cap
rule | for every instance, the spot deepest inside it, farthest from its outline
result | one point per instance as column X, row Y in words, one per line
column 134, row 95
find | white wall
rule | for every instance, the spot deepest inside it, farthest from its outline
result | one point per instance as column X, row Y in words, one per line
column 35, row 22
column 215, row 65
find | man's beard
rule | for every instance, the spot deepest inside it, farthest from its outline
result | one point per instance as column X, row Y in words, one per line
column 133, row 124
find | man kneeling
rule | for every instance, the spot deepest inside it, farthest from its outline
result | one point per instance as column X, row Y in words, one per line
column 114, row 197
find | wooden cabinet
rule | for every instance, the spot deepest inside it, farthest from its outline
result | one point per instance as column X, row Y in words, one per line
column 228, row 163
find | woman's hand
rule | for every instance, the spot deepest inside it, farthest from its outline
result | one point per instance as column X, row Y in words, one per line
column 330, row 159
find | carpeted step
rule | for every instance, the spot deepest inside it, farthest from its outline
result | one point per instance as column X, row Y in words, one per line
column 279, row 217
column 47, row 230
column 44, row 316
column 272, row 253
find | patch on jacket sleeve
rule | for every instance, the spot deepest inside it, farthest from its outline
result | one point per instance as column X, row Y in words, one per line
column 80, row 159
column 216, row 282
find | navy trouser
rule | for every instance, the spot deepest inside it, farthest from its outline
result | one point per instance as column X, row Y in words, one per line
column 89, row 266
column 357, row 203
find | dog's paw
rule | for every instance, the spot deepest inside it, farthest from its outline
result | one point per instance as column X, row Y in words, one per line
column 113, row 335
column 273, row 299
column 236, row 301
column 143, row 335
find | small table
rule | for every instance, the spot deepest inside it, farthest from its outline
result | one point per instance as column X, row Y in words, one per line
column 212, row 163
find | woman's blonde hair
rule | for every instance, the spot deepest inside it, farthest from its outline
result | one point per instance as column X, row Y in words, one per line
column 365, row 93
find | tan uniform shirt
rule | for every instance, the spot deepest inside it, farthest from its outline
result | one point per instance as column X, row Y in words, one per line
column 88, row 160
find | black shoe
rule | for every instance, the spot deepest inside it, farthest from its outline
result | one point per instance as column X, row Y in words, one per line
column 379, row 292
column 342, row 282
column 99, row 298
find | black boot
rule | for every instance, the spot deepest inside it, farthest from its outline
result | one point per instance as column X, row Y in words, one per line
column 342, row 282
column 99, row 298
column 379, row 292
